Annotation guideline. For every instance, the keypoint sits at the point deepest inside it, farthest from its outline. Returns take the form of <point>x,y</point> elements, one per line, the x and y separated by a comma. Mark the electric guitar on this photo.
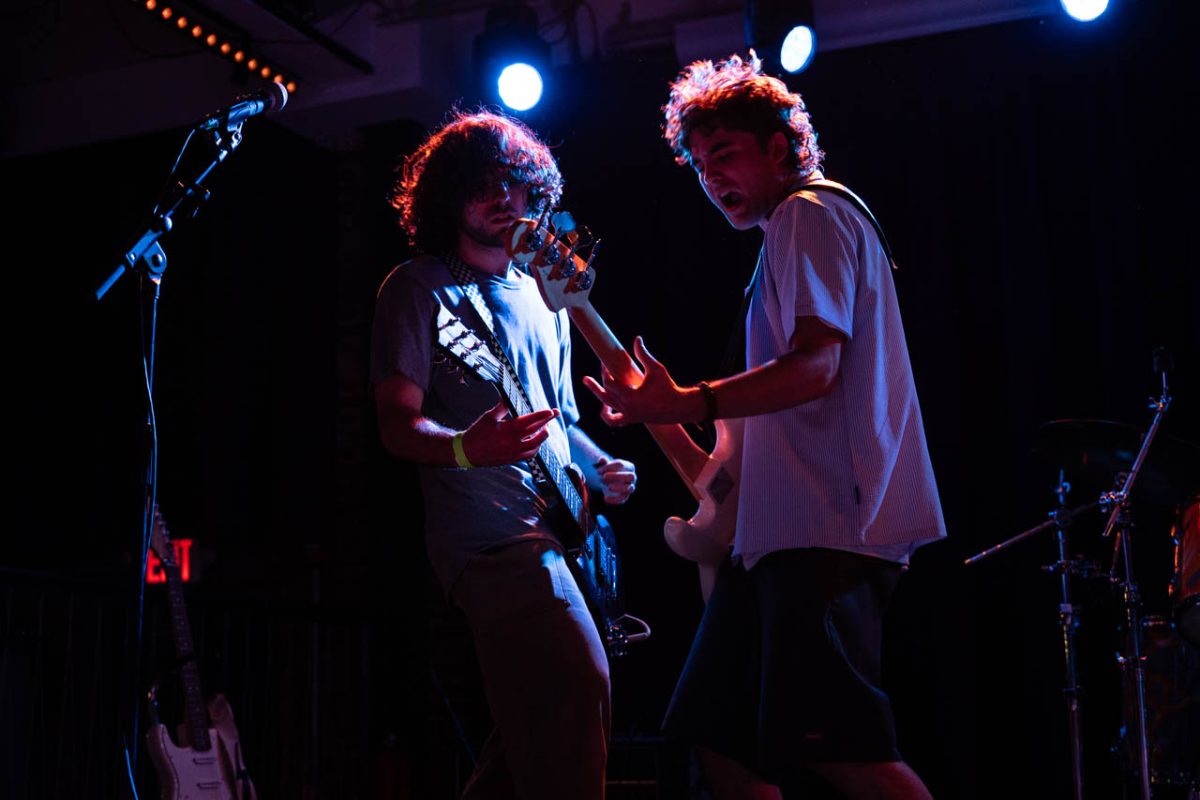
<point>588,540</point>
<point>565,281</point>
<point>207,762</point>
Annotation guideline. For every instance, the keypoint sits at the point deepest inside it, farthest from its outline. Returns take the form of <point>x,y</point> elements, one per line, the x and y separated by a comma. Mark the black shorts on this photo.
<point>784,669</point>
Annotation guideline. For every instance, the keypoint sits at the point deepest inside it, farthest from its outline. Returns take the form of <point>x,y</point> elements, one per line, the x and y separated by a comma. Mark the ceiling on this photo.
<point>86,71</point>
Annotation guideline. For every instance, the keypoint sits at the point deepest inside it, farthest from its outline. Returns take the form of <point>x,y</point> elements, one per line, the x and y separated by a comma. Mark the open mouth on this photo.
<point>729,200</point>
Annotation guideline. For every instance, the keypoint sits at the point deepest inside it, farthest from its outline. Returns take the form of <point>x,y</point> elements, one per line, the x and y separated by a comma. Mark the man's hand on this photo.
<point>619,478</point>
<point>657,399</point>
<point>496,439</point>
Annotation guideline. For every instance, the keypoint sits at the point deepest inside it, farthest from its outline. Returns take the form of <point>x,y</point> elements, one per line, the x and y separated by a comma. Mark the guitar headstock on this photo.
<point>563,278</point>
<point>461,342</point>
<point>160,539</point>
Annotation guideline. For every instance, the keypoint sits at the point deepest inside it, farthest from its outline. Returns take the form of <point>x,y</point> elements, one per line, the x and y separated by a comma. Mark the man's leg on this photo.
<point>729,780</point>
<point>883,780</point>
<point>544,670</point>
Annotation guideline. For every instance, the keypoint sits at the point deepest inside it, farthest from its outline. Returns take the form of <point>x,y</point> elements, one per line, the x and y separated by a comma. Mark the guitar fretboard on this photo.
<point>555,471</point>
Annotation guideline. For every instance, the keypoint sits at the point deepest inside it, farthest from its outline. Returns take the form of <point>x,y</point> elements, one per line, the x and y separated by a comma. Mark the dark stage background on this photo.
<point>1036,180</point>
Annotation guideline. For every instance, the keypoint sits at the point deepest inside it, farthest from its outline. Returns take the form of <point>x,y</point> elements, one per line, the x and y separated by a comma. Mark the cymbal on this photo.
<point>1097,450</point>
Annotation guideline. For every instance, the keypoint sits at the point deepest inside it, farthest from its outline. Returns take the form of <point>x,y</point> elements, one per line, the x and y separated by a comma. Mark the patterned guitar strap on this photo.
<point>465,275</point>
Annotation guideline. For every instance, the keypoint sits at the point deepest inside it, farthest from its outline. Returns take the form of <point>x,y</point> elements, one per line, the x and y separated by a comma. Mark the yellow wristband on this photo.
<point>460,454</point>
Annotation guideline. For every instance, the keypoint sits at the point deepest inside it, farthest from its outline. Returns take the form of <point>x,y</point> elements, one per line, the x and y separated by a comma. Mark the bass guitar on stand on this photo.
<point>207,762</point>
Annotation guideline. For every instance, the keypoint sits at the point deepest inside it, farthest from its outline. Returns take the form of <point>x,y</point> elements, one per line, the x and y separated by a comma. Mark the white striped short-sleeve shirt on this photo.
<point>850,470</point>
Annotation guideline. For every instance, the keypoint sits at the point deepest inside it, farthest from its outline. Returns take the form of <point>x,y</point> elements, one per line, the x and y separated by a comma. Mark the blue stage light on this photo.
<point>512,61</point>
<point>798,48</point>
<point>782,33</point>
<point>1084,10</point>
<point>520,86</point>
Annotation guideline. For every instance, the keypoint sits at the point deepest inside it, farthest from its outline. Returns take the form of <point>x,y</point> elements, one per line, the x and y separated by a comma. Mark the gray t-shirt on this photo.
<point>470,510</point>
<point>850,470</point>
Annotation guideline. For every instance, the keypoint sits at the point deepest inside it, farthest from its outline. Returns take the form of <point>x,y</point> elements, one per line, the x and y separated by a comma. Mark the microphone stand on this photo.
<point>1119,521</point>
<point>146,258</point>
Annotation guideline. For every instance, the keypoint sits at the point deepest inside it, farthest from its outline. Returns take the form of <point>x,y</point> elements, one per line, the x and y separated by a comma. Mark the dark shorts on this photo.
<point>784,669</point>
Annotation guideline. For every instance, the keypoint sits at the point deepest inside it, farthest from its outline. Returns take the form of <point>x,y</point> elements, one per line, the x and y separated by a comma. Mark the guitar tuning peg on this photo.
<point>592,253</point>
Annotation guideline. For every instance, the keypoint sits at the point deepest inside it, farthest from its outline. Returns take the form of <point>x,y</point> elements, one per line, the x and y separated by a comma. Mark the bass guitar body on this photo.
<point>706,537</point>
<point>183,773</point>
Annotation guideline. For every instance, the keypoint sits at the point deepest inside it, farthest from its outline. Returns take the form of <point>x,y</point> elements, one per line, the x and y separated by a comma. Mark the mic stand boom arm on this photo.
<point>146,256</point>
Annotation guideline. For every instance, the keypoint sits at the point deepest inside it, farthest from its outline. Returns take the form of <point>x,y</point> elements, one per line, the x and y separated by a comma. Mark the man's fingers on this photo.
<point>527,424</point>
<point>601,394</point>
<point>610,416</point>
<point>531,446</point>
<point>643,355</point>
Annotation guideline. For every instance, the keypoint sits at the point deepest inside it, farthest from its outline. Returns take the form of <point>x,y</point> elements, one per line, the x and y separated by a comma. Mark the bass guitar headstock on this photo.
<point>564,278</point>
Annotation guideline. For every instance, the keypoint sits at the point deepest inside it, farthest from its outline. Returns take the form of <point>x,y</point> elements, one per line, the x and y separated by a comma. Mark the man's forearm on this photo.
<point>419,439</point>
<point>586,453</point>
<point>790,380</point>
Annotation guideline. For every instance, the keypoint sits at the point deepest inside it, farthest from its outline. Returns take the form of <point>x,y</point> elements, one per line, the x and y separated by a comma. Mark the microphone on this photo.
<point>272,98</point>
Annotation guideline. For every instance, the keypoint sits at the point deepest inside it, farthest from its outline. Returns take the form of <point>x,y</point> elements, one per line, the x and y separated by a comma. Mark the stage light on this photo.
<point>512,61</point>
<point>781,33</point>
<point>201,30</point>
<point>1084,10</point>
<point>798,48</point>
<point>520,86</point>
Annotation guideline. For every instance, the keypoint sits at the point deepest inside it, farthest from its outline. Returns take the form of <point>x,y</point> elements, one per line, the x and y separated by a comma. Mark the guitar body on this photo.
<point>596,566</point>
<point>707,536</point>
<point>184,773</point>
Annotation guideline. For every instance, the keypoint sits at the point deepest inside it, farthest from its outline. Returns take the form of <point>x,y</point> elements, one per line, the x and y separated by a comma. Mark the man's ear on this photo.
<point>778,147</point>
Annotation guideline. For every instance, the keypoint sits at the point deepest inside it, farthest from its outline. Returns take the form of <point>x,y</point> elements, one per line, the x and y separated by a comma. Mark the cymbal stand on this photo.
<point>1068,620</point>
<point>1117,504</point>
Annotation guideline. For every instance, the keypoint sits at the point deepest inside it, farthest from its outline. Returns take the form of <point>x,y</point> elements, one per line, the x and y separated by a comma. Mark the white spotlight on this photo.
<point>1084,10</point>
<point>520,86</point>
<point>798,48</point>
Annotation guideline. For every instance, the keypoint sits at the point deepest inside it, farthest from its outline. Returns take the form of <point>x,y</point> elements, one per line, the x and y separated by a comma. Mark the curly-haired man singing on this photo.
<point>487,516</point>
<point>836,488</point>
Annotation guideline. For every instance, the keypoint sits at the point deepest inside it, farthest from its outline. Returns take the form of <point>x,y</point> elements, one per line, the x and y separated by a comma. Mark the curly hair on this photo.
<point>470,153</point>
<point>736,95</point>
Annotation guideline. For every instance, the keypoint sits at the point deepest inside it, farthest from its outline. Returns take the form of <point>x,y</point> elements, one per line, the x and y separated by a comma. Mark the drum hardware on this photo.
<point>1184,590</point>
<point>1119,527</point>
<point>1100,450</point>
<point>1065,568</point>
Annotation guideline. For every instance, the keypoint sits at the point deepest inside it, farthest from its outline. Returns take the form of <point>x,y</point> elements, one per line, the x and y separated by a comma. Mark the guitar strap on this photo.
<point>735,350</point>
<point>465,276</point>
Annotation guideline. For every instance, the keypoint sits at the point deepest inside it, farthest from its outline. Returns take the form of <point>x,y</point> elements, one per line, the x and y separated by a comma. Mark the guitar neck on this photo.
<point>553,467</point>
<point>195,713</point>
<point>685,457</point>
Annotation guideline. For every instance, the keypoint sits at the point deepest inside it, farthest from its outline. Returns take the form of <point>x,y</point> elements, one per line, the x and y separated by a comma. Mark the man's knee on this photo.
<point>874,780</point>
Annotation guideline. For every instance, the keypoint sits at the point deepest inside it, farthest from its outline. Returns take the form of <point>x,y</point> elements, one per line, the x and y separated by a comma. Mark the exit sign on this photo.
<point>183,557</point>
